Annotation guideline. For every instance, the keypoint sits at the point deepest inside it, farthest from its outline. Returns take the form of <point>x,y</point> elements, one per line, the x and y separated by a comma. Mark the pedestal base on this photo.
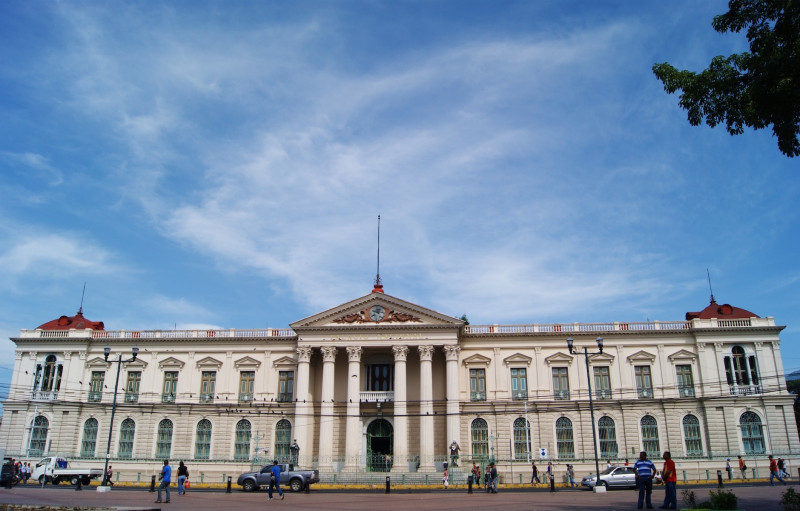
<point>599,489</point>
<point>103,489</point>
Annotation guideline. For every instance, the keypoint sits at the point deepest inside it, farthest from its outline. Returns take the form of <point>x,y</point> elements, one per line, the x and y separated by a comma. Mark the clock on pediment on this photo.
<point>377,313</point>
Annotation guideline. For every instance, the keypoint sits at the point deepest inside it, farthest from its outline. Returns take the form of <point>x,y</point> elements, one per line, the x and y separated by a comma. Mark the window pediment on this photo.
<point>559,359</point>
<point>136,365</point>
<point>601,358</point>
<point>518,359</point>
<point>97,363</point>
<point>477,360</point>
<point>682,356</point>
<point>247,363</point>
<point>641,356</point>
<point>285,363</point>
<point>171,363</point>
<point>209,363</point>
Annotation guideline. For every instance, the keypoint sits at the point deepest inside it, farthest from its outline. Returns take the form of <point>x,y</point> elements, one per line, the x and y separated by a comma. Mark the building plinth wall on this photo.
<point>379,385</point>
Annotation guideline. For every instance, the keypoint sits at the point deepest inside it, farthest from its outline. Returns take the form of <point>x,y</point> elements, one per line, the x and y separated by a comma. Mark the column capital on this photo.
<point>451,352</point>
<point>425,352</point>
<point>400,353</point>
<point>354,353</point>
<point>304,354</point>
<point>328,353</point>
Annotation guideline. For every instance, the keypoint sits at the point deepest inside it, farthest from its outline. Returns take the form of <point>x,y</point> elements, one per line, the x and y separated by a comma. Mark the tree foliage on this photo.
<point>757,89</point>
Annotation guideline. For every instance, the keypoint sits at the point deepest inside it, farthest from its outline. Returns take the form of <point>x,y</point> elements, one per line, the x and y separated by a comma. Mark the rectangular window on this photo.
<point>96,386</point>
<point>685,380</point>
<point>519,384</point>
<point>132,387</point>
<point>644,383</point>
<point>560,383</point>
<point>380,377</point>
<point>208,382</point>
<point>285,386</point>
<point>247,381</point>
<point>602,382</point>
<point>170,387</point>
<point>477,385</point>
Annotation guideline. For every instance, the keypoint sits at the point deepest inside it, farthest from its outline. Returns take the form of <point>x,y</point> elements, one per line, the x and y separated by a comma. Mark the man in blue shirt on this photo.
<point>275,480</point>
<point>166,477</point>
<point>645,471</point>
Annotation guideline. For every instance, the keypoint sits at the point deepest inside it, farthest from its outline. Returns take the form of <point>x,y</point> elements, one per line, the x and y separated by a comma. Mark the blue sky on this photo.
<point>222,164</point>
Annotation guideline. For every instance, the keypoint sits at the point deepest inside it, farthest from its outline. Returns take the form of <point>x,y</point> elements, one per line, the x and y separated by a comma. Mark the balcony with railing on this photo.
<point>44,395</point>
<point>745,390</point>
<point>373,396</point>
<point>519,395</point>
<point>284,397</point>
<point>131,397</point>
<point>245,398</point>
<point>477,396</point>
<point>561,394</point>
<point>168,398</point>
<point>95,397</point>
<point>206,398</point>
<point>686,391</point>
<point>602,394</point>
<point>645,393</point>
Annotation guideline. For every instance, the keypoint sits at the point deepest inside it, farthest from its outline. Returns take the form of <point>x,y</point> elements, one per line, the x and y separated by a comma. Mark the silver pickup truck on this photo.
<point>296,480</point>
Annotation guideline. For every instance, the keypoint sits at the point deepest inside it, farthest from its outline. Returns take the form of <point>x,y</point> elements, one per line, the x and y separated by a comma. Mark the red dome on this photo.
<point>724,311</point>
<point>77,322</point>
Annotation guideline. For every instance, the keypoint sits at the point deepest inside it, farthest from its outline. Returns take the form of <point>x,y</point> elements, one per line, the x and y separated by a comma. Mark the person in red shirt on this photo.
<point>670,482</point>
<point>773,472</point>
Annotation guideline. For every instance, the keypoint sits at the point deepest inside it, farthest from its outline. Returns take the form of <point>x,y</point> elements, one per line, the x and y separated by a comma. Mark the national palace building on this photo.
<point>379,384</point>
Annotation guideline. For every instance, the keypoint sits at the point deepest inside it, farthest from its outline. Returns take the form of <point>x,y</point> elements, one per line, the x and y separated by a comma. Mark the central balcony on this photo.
<point>373,396</point>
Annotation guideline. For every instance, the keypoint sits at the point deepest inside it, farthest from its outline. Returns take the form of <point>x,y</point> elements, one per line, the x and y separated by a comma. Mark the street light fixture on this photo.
<point>586,354</point>
<point>119,361</point>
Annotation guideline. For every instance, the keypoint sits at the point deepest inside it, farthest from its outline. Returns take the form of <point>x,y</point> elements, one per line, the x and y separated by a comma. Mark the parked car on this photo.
<point>296,480</point>
<point>614,477</point>
<point>8,478</point>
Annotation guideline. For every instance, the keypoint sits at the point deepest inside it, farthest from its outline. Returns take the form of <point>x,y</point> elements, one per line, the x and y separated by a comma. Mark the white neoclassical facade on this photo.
<point>379,384</point>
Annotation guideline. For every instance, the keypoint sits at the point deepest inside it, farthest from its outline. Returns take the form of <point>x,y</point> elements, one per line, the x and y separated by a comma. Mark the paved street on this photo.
<point>751,498</point>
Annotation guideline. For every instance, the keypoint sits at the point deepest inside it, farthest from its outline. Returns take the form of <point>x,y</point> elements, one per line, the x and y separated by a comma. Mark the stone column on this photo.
<point>453,417</point>
<point>426,434</point>
<point>353,442</point>
<point>303,411</point>
<point>326,408</point>
<point>400,410</point>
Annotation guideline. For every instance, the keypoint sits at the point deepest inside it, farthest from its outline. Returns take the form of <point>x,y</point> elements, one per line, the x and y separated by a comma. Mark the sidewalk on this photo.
<point>751,498</point>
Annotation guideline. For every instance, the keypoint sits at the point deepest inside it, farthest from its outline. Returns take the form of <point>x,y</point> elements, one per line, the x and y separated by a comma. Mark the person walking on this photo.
<point>728,469</point>
<point>166,478</point>
<point>645,471</point>
<point>549,472</point>
<point>487,477</point>
<point>670,479</point>
<point>782,468</point>
<point>773,472</point>
<point>275,480</point>
<point>183,476</point>
<point>109,473</point>
<point>454,450</point>
<point>742,467</point>
<point>493,474</point>
<point>571,476</point>
<point>446,479</point>
<point>535,473</point>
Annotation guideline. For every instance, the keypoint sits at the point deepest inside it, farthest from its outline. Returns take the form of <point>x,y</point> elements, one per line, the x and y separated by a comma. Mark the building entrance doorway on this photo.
<point>380,439</point>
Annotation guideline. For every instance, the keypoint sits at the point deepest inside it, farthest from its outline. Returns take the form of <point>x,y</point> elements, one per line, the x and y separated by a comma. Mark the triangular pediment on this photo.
<point>601,358</point>
<point>518,359</point>
<point>477,360</point>
<point>682,355</point>
<point>170,362</point>
<point>376,310</point>
<point>559,358</point>
<point>136,365</point>
<point>286,362</point>
<point>209,363</point>
<point>247,362</point>
<point>97,362</point>
<point>641,356</point>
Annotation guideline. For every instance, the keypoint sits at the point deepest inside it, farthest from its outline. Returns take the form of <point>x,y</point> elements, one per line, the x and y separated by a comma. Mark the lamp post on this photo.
<point>119,361</point>
<point>586,354</point>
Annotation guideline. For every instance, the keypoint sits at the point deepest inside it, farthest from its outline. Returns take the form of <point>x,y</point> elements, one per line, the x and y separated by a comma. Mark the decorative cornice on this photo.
<point>400,353</point>
<point>425,353</point>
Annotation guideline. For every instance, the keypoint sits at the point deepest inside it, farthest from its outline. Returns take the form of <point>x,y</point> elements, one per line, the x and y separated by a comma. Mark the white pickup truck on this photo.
<point>55,470</point>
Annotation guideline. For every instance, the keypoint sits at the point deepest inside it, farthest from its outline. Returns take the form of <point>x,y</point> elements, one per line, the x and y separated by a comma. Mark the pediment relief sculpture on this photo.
<point>378,314</point>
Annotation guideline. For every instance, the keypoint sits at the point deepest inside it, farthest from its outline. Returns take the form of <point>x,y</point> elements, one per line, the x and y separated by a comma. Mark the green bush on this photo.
<point>790,500</point>
<point>688,498</point>
<point>722,499</point>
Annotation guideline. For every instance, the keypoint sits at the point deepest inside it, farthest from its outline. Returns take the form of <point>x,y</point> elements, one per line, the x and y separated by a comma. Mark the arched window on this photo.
<point>89,438</point>
<point>164,440</point>
<point>565,445</point>
<point>202,446</point>
<point>650,435</point>
<point>522,439</point>
<point>480,439</point>
<point>241,450</point>
<point>283,439</point>
<point>741,372</point>
<point>126,432</point>
<point>752,433</point>
<point>608,437</point>
<point>692,437</point>
<point>39,435</point>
